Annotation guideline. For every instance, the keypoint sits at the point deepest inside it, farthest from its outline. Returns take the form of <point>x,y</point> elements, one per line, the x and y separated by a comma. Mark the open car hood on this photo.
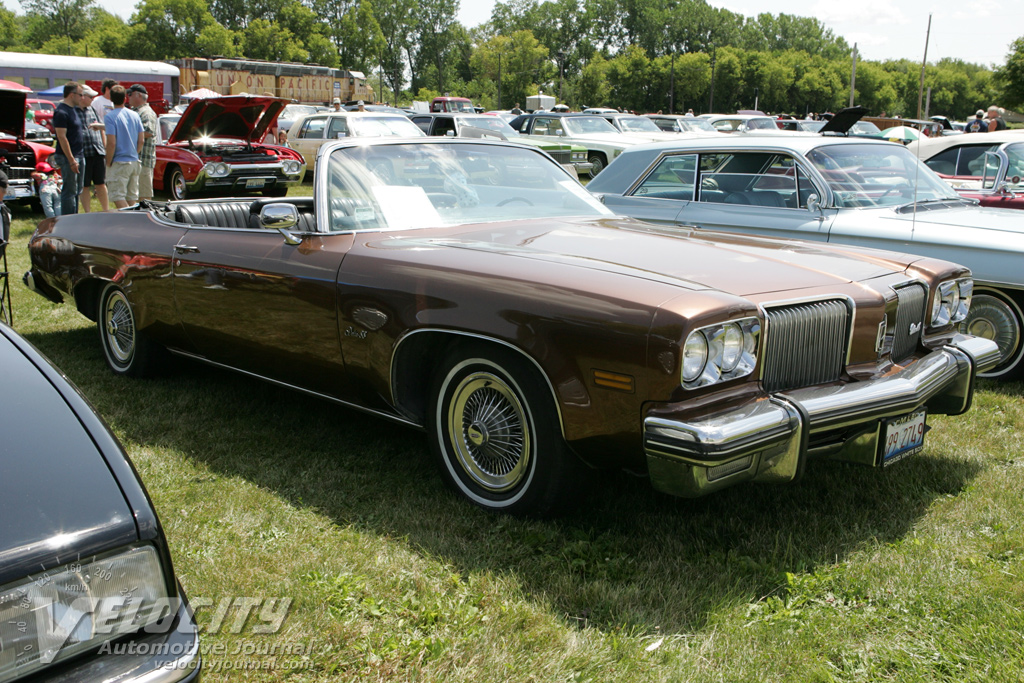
<point>843,120</point>
<point>238,117</point>
<point>12,112</point>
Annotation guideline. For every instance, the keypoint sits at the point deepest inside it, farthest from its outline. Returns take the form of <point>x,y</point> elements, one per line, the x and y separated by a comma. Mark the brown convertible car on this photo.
<point>475,290</point>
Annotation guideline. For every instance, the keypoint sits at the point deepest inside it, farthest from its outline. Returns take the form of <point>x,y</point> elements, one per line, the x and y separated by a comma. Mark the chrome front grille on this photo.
<point>805,344</point>
<point>561,156</point>
<point>909,320</point>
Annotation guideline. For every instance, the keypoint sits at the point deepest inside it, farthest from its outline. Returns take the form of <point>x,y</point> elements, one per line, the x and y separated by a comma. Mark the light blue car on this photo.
<point>851,191</point>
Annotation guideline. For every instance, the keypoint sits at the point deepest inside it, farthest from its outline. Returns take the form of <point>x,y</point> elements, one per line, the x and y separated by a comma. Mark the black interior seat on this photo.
<point>216,214</point>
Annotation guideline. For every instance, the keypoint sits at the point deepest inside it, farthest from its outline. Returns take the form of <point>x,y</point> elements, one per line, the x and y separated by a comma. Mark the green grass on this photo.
<point>908,574</point>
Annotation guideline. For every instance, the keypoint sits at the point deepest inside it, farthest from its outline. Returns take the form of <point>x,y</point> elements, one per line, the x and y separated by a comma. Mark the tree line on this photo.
<point>642,55</point>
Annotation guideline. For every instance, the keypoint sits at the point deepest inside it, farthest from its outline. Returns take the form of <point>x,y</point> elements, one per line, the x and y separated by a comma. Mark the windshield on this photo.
<point>865,128</point>
<point>294,111</point>
<point>492,123</point>
<point>865,175</point>
<point>405,186</point>
<point>376,126</point>
<point>638,124</point>
<point>167,125</point>
<point>583,125</point>
<point>761,123</point>
<point>695,124</point>
<point>457,105</point>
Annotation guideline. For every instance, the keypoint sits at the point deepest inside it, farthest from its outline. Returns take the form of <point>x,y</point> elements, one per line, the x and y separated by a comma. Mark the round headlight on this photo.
<point>732,347</point>
<point>695,356</point>
<point>223,169</point>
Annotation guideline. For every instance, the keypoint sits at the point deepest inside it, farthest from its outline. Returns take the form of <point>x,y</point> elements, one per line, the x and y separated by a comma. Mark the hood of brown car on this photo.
<point>736,264</point>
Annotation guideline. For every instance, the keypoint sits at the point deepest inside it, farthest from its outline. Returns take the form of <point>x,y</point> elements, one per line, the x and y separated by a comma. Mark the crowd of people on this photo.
<point>105,149</point>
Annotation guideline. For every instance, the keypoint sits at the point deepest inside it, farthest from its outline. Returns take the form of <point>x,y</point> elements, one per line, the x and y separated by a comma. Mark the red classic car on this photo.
<point>214,147</point>
<point>19,156</point>
<point>983,166</point>
<point>476,291</point>
<point>43,111</point>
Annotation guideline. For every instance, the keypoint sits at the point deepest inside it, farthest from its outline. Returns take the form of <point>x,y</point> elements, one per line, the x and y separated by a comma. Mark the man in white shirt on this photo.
<point>102,104</point>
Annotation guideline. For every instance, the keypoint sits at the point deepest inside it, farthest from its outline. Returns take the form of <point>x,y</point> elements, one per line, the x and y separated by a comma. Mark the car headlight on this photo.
<point>578,156</point>
<point>291,167</point>
<point>951,301</point>
<point>69,609</point>
<point>721,352</point>
<point>217,169</point>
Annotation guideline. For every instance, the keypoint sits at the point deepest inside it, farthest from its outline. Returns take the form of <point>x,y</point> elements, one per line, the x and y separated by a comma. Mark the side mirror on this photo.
<point>449,134</point>
<point>1005,191</point>
<point>813,203</point>
<point>283,218</point>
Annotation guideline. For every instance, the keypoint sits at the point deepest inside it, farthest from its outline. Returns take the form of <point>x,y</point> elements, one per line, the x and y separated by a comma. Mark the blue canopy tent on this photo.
<point>53,93</point>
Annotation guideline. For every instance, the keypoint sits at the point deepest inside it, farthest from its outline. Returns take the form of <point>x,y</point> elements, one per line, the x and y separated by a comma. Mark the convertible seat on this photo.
<point>759,198</point>
<point>215,214</point>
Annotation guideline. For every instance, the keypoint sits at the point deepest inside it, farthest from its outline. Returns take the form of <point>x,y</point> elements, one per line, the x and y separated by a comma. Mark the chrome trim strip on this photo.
<point>332,399</point>
<point>547,380</point>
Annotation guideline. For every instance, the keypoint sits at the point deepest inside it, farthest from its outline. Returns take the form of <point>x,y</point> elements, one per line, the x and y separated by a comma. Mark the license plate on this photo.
<point>254,182</point>
<point>904,436</point>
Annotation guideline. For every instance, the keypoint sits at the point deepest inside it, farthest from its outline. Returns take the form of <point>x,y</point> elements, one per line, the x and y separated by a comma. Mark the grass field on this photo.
<point>910,574</point>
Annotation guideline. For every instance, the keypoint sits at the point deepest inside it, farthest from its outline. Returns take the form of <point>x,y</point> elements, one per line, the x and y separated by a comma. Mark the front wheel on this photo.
<point>597,163</point>
<point>494,430</point>
<point>125,351</point>
<point>177,185</point>
<point>997,317</point>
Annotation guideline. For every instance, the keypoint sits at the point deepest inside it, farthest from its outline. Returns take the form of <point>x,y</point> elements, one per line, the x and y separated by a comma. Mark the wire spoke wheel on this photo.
<point>490,435</point>
<point>119,327</point>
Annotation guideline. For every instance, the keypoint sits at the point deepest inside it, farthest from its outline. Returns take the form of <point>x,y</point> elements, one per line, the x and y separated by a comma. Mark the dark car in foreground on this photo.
<point>476,291</point>
<point>83,559</point>
<point>870,193</point>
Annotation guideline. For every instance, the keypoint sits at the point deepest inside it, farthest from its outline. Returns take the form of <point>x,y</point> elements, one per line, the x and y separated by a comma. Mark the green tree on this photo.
<point>270,41</point>
<point>523,64</point>
<point>9,34</point>
<point>167,29</point>
<point>65,20</point>
<point>352,27</point>
<point>396,20</point>
<point>592,88</point>
<point>1010,76</point>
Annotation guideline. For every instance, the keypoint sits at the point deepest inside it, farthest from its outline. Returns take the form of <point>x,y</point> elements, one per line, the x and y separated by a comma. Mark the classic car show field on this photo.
<point>908,573</point>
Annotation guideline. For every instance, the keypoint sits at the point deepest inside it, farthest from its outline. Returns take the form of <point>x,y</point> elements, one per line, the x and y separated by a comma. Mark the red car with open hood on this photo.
<point>214,147</point>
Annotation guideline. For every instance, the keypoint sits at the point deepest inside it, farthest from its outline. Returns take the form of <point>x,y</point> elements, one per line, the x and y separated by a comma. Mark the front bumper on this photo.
<point>247,178</point>
<point>582,167</point>
<point>171,657</point>
<point>769,440</point>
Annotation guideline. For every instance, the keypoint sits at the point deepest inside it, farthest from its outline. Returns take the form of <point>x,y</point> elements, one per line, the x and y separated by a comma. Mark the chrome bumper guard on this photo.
<point>769,440</point>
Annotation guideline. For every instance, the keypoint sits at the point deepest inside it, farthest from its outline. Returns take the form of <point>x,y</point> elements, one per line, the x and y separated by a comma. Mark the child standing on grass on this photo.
<point>48,181</point>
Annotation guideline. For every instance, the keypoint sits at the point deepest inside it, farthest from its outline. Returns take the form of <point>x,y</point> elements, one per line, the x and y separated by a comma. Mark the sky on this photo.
<point>977,31</point>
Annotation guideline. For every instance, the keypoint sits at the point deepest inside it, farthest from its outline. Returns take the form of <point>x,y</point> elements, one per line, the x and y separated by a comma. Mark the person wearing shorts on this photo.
<point>125,137</point>
<point>95,150</point>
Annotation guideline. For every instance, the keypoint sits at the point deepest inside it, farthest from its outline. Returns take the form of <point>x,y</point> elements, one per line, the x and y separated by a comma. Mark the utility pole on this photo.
<point>853,74</point>
<point>672,84</point>
<point>711,95</point>
<point>920,90</point>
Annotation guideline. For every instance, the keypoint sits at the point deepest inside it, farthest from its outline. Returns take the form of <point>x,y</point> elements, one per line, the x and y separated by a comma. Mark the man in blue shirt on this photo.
<point>70,154</point>
<point>125,136</point>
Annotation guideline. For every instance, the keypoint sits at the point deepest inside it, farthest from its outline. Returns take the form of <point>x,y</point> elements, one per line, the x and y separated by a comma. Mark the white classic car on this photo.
<point>851,191</point>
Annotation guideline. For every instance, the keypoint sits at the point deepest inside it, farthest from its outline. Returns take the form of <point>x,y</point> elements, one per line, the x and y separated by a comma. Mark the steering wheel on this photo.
<point>903,187</point>
<point>524,200</point>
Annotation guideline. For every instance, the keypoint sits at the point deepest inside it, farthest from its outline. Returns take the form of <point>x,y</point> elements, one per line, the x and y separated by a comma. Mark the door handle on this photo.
<point>184,248</point>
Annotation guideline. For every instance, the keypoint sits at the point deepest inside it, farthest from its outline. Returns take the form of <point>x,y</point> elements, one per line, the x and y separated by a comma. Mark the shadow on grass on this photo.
<point>628,557</point>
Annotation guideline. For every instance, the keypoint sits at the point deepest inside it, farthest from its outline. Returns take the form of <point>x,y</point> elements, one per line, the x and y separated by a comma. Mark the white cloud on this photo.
<point>867,12</point>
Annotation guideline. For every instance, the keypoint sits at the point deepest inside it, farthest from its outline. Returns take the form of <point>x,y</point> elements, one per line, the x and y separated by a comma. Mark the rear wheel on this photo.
<point>995,316</point>
<point>127,352</point>
<point>495,432</point>
<point>177,186</point>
